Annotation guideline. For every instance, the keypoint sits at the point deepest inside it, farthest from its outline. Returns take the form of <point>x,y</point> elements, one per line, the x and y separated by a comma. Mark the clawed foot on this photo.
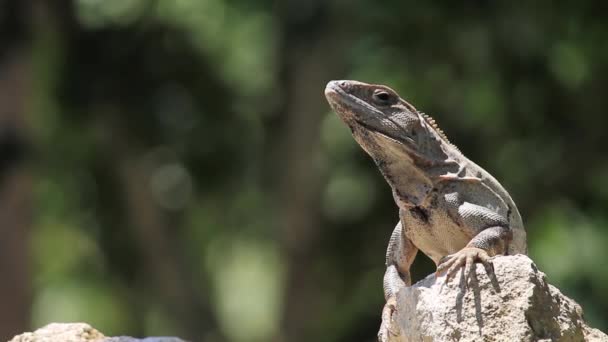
<point>465,257</point>
<point>386,328</point>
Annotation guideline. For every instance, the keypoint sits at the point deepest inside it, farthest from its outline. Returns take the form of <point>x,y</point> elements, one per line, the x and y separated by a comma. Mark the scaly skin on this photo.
<point>450,209</point>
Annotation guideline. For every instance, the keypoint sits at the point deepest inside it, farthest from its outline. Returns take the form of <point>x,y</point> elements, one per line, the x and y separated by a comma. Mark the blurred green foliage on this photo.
<point>189,178</point>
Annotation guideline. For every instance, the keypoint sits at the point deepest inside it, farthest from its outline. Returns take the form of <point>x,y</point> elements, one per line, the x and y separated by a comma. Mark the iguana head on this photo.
<point>385,125</point>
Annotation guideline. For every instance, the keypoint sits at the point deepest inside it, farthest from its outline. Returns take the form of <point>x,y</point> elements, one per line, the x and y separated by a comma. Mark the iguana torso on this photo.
<point>449,207</point>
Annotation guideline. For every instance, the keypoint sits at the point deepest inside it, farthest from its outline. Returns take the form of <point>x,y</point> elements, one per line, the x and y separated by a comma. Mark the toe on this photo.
<point>456,264</point>
<point>486,261</point>
<point>445,264</point>
<point>445,258</point>
<point>483,256</point>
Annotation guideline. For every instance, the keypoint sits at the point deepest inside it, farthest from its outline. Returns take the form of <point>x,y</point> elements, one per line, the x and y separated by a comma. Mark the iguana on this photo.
<point>450,208</point>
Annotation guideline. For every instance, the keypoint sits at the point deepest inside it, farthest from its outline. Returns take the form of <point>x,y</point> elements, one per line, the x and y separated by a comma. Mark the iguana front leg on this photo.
<point>399,257</point>
<point>489,242</point>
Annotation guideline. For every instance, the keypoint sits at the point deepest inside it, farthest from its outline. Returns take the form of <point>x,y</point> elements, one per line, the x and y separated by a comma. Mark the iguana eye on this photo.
<point>381,97</point>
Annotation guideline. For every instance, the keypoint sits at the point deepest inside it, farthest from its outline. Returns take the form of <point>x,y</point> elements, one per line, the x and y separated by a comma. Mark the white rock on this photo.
<point>79,332</point>
<point>518,305</point>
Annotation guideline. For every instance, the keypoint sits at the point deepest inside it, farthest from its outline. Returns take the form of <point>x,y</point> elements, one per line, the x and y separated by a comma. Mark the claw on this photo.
<point>386,328</point>
<point>444,264</point>
<point>465,257</point>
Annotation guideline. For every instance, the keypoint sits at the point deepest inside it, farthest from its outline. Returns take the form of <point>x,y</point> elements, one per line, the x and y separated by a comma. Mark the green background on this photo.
<point>180,173</point>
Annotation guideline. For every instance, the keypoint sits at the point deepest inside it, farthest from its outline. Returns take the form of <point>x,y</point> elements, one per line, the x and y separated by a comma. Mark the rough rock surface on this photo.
<point>517,305</point>
<point>79,332</point>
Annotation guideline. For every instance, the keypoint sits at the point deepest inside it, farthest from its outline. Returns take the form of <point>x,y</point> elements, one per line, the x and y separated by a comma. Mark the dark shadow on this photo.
<point>460,296</point>
<point>492,277</point>
<point>473,283</point>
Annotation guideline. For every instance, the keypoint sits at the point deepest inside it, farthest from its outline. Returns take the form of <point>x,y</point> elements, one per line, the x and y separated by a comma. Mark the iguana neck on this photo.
<point>409,148</point>
<point>412,175</point>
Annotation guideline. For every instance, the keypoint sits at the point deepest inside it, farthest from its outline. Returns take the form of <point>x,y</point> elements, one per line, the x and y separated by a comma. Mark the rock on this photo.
<point>79,332</point>
<point>516,305</point>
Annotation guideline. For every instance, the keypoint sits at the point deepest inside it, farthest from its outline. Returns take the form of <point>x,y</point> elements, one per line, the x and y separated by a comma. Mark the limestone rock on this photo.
<point>517,305</point>
<point>79,332</point>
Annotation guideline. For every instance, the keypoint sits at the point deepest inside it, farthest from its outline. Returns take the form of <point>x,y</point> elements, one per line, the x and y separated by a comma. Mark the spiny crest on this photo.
<point>433,124</point>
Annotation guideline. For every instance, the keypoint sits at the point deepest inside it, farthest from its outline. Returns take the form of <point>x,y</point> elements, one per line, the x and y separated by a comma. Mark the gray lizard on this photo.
<point>449,207</point>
